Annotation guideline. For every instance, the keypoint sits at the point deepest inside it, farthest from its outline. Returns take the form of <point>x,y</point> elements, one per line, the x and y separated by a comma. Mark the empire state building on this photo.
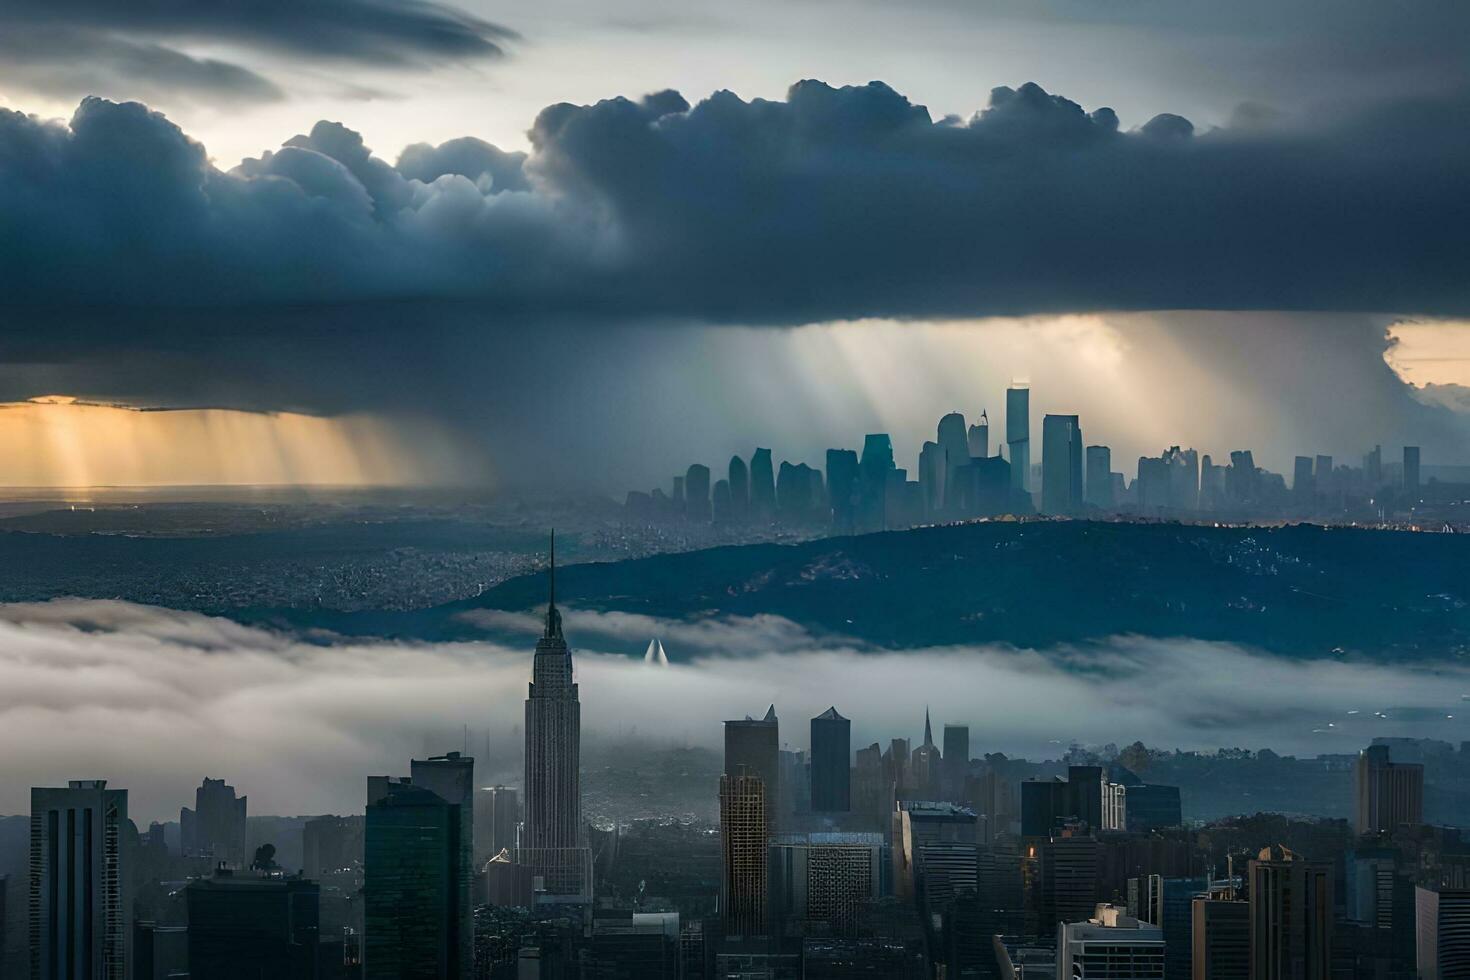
<point>551,841</point>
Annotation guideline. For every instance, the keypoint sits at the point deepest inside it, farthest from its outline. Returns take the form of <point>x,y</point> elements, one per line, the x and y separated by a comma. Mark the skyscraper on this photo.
<point>932,477</point>
<point>1373,469</point>
<point>824,880</point>
<point>924,765</point>
<point>1221,933</point>
<point>411,883</point>
<point>831,763</point>
<point>696,493</point>
<point>1291,917</point>
<point>956,763</point>
<point>1323,473</point>
<point>1303,485</point>
<point>243,925</point>
<point>215,828</point>
<point>762,485</point>
<point>330,844</point>
<point>739,477</point>
<point>497,813</point>
<point>1442,932</point>
<point>842,487</point>
<point>755,746</point>
<point>1183,471</point>
<point>452,777</point>
<point>722,507</point>
<point>1099,484</point>
<point>1411,469</point>
<point>1018,434</point>
<point>1061,464</point>
<point>79,903</point>
<point>873,469</point>
<point>1070,862</point>
<point>979,437</point>
<point>1387,793</point>
<point>954,444</point>
<point>744,832</point>
<point>551,842</point>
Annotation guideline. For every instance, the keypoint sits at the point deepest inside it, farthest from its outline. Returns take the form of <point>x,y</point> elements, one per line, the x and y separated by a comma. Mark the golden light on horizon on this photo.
<point>1430,352</point>
<point>60,441</point>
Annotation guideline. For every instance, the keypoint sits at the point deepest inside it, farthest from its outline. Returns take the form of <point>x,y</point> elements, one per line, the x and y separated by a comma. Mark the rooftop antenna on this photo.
<point>553,618</point>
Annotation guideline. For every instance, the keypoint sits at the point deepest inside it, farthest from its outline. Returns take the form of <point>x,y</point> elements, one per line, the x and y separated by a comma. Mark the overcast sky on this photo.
<point>713,225</point>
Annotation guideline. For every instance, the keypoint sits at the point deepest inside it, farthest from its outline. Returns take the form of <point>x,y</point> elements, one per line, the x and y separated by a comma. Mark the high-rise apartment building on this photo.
<point>80,908</point>
<point>744,832</point>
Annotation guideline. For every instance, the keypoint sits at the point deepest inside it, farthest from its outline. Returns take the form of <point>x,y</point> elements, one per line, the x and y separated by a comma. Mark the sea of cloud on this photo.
<point>155,699</point>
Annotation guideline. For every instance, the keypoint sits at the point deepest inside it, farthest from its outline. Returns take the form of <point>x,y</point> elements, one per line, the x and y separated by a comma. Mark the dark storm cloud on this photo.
<point>467,157</point>
<point>835,203</point>
<point>376,31</point>
<point>68,63</point>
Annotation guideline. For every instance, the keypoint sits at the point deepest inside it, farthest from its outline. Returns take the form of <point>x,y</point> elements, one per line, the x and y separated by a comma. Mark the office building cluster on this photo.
<point>962,475</point>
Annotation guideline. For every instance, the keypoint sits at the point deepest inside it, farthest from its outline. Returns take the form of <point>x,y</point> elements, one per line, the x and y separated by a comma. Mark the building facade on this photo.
<point>1290,917</point>
<point>744,833</point>
<point>1388,794</point>
<point>411,883</point>
<point>80,909</point>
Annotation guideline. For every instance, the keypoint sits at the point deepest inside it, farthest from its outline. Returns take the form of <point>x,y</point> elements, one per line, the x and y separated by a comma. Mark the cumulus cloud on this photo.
<point>154,700</point>
<point>833,203</point>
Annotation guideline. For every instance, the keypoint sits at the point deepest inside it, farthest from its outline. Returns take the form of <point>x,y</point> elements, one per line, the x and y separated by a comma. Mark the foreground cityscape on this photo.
<point>897,860</point>
<point>963,474</point>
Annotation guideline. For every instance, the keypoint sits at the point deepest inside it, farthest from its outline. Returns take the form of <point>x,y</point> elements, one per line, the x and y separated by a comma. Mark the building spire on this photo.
<point>928,731</point>
<point>553,618</point>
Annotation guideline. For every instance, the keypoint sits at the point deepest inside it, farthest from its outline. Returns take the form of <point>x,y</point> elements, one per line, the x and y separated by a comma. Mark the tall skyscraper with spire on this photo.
<point>925,763</point>
<point>551,841</point>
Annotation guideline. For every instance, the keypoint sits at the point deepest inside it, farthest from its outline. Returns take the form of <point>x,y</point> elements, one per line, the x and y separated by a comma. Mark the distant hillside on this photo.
<point>1302,591</point>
